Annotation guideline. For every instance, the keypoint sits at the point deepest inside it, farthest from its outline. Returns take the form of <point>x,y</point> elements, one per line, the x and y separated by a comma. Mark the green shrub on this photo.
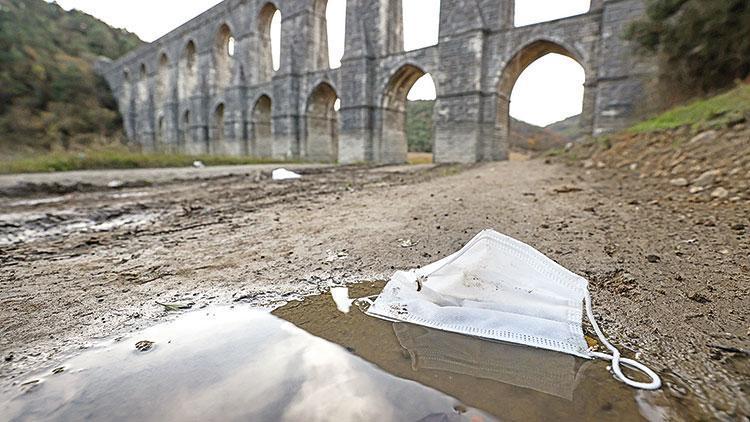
<point>704,44</point>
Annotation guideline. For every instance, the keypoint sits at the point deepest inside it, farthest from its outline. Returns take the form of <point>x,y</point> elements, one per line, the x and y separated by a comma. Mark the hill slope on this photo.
<point>524,136</point>
<point>50,97</point>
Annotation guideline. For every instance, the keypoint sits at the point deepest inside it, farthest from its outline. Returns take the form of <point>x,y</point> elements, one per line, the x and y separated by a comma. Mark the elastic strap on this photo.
<point>617,360</point>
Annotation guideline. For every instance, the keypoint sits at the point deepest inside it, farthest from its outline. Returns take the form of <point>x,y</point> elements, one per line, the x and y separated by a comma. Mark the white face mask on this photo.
<point>501,289</point>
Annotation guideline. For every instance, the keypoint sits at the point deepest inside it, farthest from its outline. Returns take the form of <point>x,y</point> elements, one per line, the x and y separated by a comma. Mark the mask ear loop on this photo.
<point>617,360</point>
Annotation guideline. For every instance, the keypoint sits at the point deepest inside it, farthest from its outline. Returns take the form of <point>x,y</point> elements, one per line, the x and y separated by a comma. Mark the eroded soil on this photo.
<point>669,275</point>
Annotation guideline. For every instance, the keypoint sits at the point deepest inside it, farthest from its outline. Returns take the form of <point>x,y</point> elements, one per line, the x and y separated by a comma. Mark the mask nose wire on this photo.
<point>617,360</point>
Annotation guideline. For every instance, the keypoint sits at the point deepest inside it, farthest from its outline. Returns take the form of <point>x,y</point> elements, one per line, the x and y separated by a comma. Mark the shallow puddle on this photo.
<point>26,227</point>
<point>319,365</point>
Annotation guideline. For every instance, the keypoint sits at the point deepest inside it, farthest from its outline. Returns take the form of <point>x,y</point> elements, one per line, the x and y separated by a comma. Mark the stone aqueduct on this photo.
<point>185,92</point>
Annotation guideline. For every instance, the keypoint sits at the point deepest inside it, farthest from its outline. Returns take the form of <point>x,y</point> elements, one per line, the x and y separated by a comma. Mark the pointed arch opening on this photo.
<point>217,129</point>
<point>528,12</point>
<point>188,71</point>
<point>408,83</point>
<point>261,128</point>
<point>184,138</point>
<point>223,54</point>
<point>162,80</point>
<point>542,84</point>
<point>421,23</point>
<point>321,123</point>
<point>336,32</point>
<point>269,32</point>
<point>160,130</point>
<point>142,90</point>
<point>329,29</point>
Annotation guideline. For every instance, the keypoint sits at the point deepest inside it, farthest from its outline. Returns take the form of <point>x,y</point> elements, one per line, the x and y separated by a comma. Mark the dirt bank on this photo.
<point>669,275</point>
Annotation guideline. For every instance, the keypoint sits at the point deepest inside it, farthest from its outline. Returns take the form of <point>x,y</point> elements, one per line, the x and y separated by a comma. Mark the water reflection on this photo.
<point>227,365</point>
<point>509,381</point>
<point>552,373</point>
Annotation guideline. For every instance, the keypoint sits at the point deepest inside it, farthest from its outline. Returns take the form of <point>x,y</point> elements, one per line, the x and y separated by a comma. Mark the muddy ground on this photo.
<point>669,275</point>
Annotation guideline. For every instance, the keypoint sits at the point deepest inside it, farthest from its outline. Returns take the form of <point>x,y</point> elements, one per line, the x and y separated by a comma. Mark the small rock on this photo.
<point>739,227</point>
<point>698,297</point>
<point>719,193</point>
<point>587,164</point>
<point>634,167</point>
<point>703,137</point>
<point>144,345</point>
<point>653,258</point>
<point>115,184</point>
<point>696,189</point>
<point>198,164</point>
<point>680,181</point>
<point>59,370</point>
<point>600,165</point>
<point>9,357</point>
<point>707,178</point>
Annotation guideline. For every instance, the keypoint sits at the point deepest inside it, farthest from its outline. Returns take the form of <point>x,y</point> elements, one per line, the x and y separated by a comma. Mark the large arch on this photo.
<point>392,146</point>
<point>321,125</point>
<point>223,57</point>
<point>188,71</point>
<point>512,71</point>
<point>265,49</point>
<point>261,128</point>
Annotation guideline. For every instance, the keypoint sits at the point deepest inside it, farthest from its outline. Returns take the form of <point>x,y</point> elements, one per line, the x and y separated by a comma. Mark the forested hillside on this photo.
<point>524,136</point>
<point>50,97</point>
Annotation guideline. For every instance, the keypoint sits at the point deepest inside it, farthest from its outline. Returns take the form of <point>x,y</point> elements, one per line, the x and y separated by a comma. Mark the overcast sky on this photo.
<point>549,90</point>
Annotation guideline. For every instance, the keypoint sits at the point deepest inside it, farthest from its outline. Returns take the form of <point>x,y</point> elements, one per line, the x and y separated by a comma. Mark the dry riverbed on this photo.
<point>669,276</point>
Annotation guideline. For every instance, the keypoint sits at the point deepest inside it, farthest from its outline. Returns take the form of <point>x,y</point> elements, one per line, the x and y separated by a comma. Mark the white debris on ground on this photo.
<point>340,296</point>
<point>198,164</point>
<point>284,174</point>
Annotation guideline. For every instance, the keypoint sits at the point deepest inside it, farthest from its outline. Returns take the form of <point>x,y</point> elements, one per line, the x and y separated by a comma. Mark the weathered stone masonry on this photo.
<point>185,92</point>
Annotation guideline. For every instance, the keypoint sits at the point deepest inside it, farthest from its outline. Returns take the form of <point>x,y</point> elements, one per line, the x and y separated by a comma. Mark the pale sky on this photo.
<point>551,89</point>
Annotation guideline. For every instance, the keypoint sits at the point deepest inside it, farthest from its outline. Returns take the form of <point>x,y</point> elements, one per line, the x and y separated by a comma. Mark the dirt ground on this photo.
<point>669,274</point>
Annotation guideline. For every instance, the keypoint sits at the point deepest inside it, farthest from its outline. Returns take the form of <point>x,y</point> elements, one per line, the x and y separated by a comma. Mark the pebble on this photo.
<point>703,137</point>
<point>707,178</point>
<point>719,193</point>
<point>681,181</point>
<point>653,258</point>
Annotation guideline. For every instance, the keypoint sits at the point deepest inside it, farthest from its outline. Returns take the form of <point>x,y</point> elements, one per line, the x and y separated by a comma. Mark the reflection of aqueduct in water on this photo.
<point>186,92</point>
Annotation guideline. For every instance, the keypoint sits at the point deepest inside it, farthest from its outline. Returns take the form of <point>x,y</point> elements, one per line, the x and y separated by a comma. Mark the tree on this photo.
<point>704,44</point>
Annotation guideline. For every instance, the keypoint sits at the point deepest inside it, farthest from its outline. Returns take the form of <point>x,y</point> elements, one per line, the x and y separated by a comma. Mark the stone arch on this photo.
<point>392,146</point>
<point>218,134</point>
<point>321,124</point>
<point>265,51</point>
<point>261,127</point>
<point>160,130</point>
<point>142,83</point>
<point>126,103</point>
<point>184,137</point>
<point>188,71</point>
<point>320,35</point>
<point>530,53</point>
<point>223,57</point>
<point>512,70</point>
<point>162,80</point>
